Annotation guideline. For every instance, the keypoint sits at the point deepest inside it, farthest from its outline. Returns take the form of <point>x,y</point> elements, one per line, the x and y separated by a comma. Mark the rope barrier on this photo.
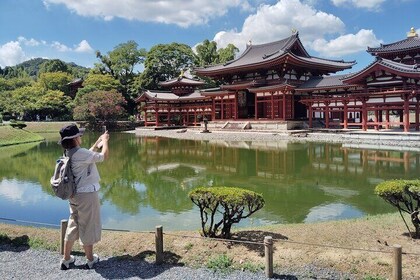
<point>216,239</point>
<point>221,239</point>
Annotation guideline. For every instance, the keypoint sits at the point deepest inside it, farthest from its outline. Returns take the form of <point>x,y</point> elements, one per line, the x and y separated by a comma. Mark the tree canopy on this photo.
<point>164,62</point>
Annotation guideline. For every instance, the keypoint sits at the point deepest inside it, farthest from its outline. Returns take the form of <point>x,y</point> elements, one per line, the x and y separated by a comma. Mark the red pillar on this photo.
<point>284,106</point>
<point>327,114</point>
<point>272,105</point>
<point>387,119</point>
<point>406,114</point>
<point>256,106</point>
<point>417,113</point>
<point>364,115</point>
<point>310,114</point>
<point>345,120</point>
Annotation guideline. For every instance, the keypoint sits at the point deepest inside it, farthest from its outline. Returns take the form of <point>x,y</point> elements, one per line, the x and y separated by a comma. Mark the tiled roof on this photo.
<point>169,96</point>
<point>400,67</point>
<point>406,44</point>
<point>182,80</point>
<point>256,54</point>
<point>324,82</point>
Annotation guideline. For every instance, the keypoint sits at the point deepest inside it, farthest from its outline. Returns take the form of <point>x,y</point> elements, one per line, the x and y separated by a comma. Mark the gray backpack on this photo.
<point>63,182</point>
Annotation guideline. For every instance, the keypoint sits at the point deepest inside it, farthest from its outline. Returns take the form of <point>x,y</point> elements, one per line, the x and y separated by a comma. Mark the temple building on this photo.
<point>183,104</point>
<point>280,82</point>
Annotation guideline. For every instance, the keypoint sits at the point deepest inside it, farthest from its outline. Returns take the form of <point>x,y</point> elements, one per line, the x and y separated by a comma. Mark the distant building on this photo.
<point>280,82</point>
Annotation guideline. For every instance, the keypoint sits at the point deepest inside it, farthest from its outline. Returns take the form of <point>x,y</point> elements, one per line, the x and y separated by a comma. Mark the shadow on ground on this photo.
<point>141,265</point>
<point>255,236</point>
<point>17,244</point>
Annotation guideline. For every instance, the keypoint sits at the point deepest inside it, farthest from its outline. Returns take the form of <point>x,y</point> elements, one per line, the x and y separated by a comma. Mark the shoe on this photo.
<point>64,265</point>
<point>89,264</point>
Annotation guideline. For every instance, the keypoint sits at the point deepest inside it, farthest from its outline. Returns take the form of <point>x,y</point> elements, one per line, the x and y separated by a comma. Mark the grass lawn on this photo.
<point>12,136</point>
<point>43,127</point>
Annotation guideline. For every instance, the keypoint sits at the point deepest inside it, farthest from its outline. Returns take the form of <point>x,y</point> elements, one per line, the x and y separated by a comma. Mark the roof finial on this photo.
<point>182,73</point>
<point>249,43</point>
<point>294,31</point>
<point>412,33</point>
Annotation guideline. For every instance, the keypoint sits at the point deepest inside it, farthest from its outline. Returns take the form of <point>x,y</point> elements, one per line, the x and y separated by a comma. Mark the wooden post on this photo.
<point>397,263</point>
<point>63,228</point>
<point>159,244</point>
<point>268,246</point>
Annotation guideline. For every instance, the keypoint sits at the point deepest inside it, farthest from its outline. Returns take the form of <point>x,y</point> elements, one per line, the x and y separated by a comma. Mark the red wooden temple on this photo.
<point>280,81</point>
<point>182,105</point>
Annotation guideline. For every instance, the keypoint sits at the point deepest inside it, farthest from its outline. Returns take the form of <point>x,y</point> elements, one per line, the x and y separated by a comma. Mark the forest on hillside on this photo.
<point>51,89</point>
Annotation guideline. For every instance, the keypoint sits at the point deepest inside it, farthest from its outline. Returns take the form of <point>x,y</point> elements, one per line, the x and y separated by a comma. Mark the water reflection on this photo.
<point>147,180</point>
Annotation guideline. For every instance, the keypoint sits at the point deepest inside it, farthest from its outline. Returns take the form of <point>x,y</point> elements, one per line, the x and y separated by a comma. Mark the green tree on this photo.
<point>55,81</point>
<point>233,205</point>
<point>405,196</point>
<point>227,54</point>
<point>120,63</point>
<point>99,106</point>
<point>101,82</point>
<point>207,53</point>
<point>53,65</point>
<point>164,62</point>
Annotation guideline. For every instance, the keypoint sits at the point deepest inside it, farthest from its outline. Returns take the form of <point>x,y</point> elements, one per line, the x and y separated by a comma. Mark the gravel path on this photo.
<point>23,263</point>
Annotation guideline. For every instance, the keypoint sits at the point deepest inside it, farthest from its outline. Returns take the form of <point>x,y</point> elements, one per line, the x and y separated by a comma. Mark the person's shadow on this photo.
<point>126,266</point>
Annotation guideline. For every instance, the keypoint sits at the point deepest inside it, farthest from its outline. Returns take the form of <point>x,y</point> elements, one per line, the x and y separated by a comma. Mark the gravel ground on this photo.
<point>24,263</point>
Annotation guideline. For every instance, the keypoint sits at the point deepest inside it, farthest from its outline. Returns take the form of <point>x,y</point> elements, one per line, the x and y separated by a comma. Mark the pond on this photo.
<point>146,180</point>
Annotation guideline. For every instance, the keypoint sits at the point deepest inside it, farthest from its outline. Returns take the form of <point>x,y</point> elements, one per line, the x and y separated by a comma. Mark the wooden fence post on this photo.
<point>63,228</point>
<point>397,263</point>
<point>268,248</point>
<point>159,244</point>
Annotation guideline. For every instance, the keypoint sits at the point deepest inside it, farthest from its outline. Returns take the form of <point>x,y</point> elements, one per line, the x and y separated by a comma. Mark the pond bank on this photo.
<point>381,140</point>
<point>12,136</point>
<point>347,249</point>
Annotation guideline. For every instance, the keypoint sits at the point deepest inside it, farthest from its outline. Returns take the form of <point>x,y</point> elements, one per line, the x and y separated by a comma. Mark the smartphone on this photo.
<point>99,145</point>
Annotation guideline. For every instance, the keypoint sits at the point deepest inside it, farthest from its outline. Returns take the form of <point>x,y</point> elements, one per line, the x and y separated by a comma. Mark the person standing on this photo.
<point>85,219</point>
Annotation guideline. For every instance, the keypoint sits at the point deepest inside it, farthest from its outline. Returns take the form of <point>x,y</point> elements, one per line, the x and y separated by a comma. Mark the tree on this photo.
<point>101,82</point>
<point>53,65</point>
<point>405,196</point>
<point>227,54</point>
<point>102,106</point>
<point>234,204</point>
<point>207,53</point>
<point>164,62</point>
<point>120,63</point>
<point>55,81</point>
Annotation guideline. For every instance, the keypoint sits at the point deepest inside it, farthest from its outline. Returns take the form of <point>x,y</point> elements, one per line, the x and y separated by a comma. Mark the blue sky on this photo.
<point>72,30</point>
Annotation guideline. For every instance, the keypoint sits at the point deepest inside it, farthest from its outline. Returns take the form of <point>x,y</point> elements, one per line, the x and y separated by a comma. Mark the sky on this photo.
<point>73,30</point>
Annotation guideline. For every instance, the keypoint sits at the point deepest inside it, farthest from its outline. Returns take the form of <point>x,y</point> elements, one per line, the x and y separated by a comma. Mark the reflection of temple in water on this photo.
<point>296,180</point>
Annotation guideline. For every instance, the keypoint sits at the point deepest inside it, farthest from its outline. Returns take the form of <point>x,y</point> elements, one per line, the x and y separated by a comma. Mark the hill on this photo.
<point>32,67</point>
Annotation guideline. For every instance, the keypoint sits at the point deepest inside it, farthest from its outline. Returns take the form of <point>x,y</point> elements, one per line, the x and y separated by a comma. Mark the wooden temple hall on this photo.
<point>280,82</point>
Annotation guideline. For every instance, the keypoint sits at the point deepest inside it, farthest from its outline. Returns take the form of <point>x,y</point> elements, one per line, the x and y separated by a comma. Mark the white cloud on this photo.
<point>29,42</point>
<point>363,4</point>
<point>275,22</point>
<point>314,27</point>
<point>60,47</point>
<point>179,12</point>
<point>83,47</point>
<point>11,54</point>
<point>346,44</point>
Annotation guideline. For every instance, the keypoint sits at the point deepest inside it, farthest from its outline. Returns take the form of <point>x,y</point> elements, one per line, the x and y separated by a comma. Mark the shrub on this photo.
<point>405,196</point>
<point>233,204</point>
<point>18,125</point>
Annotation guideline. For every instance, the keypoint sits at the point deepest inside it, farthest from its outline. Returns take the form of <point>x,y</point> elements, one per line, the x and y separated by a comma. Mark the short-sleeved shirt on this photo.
<point>85,170</point>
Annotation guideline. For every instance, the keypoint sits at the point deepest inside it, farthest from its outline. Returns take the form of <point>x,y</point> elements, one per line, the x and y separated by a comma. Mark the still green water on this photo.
<point>146,180</point>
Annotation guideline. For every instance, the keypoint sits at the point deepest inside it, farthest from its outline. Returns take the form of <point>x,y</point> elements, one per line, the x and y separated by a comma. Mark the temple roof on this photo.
<point>258,56</point>
<point>411,43</point>
<point>182,80</point>
<point>169,96</point>
<point>324,82</point>
<point>385,64</point>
